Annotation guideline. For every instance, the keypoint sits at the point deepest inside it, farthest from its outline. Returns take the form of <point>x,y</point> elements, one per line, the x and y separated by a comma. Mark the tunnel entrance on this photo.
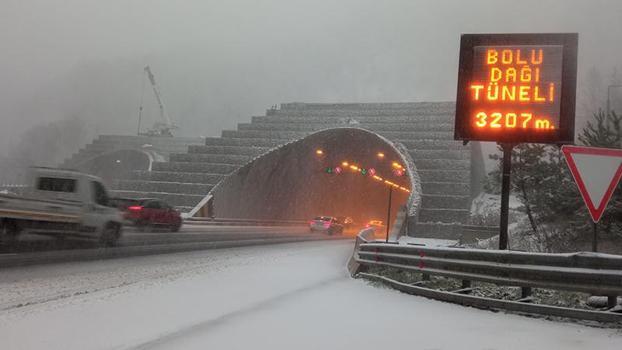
<point>116,165</point>
<point>334,172</point>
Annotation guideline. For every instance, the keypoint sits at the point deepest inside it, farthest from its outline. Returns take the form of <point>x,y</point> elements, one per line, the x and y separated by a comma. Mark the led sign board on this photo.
<point>517,88</point>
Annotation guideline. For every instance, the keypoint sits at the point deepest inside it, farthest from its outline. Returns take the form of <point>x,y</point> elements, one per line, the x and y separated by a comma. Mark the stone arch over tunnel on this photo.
<point>291,182</point>
<point>117,164</point>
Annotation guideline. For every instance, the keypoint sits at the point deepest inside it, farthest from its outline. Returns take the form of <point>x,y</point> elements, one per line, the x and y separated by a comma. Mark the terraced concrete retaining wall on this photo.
<point>449,177</point>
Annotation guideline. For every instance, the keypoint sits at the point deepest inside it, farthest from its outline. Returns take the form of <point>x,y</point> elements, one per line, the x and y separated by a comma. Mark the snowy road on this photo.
<point>288,296</point>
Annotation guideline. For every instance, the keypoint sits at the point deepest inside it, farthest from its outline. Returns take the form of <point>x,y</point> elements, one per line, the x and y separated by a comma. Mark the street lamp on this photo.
<point>609,95</point>
<point>389,212</point>
<point>396,165</point>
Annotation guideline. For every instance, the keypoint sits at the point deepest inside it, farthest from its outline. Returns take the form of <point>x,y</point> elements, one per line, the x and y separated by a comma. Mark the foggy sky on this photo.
<point>219,62</point>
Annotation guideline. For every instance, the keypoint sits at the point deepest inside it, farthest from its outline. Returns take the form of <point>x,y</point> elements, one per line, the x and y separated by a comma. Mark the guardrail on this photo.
<point>198,243</point>
<point>598,274</point>
<point>243,222</point>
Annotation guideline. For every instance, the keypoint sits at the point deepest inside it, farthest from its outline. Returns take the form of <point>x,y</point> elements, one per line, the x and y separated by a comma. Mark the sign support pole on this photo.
<point>595,237</point>
<point>505,195</point>
<point>389,213</point>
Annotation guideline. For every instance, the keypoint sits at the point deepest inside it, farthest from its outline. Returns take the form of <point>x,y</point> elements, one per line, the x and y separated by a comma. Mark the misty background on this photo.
<point>73,69</point>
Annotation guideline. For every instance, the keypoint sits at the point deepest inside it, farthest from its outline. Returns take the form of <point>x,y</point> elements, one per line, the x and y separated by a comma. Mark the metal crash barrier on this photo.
<point>593,273</point>
<point>243,222</point>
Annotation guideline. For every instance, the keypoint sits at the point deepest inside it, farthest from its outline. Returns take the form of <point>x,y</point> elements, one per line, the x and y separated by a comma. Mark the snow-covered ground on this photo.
<point>428,242</point>
<point>290,296</point>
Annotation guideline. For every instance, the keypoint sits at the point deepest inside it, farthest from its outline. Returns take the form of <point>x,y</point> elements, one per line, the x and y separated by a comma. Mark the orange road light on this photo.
<point>319,152</point>
<point>380,155</point>
<point>345,164</point>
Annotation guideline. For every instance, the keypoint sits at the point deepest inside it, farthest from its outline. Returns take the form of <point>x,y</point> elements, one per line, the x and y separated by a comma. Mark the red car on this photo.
<point>151,212</point>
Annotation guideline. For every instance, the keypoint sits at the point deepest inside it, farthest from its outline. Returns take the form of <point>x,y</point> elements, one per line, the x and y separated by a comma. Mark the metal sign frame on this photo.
<point>464,129</point>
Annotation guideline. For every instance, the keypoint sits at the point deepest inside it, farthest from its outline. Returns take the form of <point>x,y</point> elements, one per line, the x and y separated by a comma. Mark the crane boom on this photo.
<point>156,91</point>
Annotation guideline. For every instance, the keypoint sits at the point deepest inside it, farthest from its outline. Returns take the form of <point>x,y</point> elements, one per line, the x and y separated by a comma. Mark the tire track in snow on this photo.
<point>208,325</point>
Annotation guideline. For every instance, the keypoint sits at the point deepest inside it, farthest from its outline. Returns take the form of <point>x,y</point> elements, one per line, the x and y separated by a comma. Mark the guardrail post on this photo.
<point>525,294</point>
<point>612,301</point>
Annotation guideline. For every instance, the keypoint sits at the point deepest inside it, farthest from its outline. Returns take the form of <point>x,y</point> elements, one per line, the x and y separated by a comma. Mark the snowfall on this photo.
<point>287,296</point>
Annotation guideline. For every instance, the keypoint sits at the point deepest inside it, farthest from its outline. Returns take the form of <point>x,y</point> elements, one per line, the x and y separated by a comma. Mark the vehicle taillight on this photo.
<point>366,225</point>
<point>327,224</point>
<point>135,208</point>
<point>311,222</point>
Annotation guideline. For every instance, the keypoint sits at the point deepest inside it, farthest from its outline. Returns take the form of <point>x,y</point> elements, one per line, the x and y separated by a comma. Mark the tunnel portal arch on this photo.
<point>118,163</point>
<point>291,182</point>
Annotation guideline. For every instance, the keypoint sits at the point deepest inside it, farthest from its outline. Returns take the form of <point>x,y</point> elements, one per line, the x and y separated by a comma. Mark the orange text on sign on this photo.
<point>498,120</point>
<point>514,75</point>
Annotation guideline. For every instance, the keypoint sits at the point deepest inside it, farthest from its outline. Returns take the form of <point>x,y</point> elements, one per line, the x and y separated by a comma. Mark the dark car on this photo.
<point>327,224</point>
<point>150,212</point>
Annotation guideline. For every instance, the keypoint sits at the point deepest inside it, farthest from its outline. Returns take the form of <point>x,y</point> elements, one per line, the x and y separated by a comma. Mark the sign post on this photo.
<point>505,195</point>
<point>516,88</point>
<point>596,171</point>
<point>389,212</point>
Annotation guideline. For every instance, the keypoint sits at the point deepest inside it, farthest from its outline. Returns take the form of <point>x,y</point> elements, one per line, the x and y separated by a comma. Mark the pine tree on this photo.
<point>604,131</point>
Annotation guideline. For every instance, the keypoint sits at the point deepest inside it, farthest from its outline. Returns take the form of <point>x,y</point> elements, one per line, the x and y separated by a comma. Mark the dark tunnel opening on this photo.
<point>335,172</point>
<point>116,165</point>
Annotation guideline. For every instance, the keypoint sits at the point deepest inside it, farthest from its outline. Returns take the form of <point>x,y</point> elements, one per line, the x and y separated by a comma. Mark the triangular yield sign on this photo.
<point>597,172</point>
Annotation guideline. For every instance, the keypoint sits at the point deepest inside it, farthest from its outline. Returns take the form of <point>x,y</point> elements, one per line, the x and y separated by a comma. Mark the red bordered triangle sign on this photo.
<point>596,172</point>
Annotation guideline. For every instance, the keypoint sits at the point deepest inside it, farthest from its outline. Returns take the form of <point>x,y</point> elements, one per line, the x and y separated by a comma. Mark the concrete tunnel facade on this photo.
<point>118,164</point>
<point>292,182</point>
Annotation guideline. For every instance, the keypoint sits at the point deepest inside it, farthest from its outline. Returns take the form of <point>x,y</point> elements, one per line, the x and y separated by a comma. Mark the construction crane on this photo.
<point>164,127</point>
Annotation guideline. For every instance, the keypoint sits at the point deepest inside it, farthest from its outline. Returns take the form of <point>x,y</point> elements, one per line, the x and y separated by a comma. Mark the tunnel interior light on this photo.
<point>398,170</point>
<point>380,155</point>
<point>319,152</point>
